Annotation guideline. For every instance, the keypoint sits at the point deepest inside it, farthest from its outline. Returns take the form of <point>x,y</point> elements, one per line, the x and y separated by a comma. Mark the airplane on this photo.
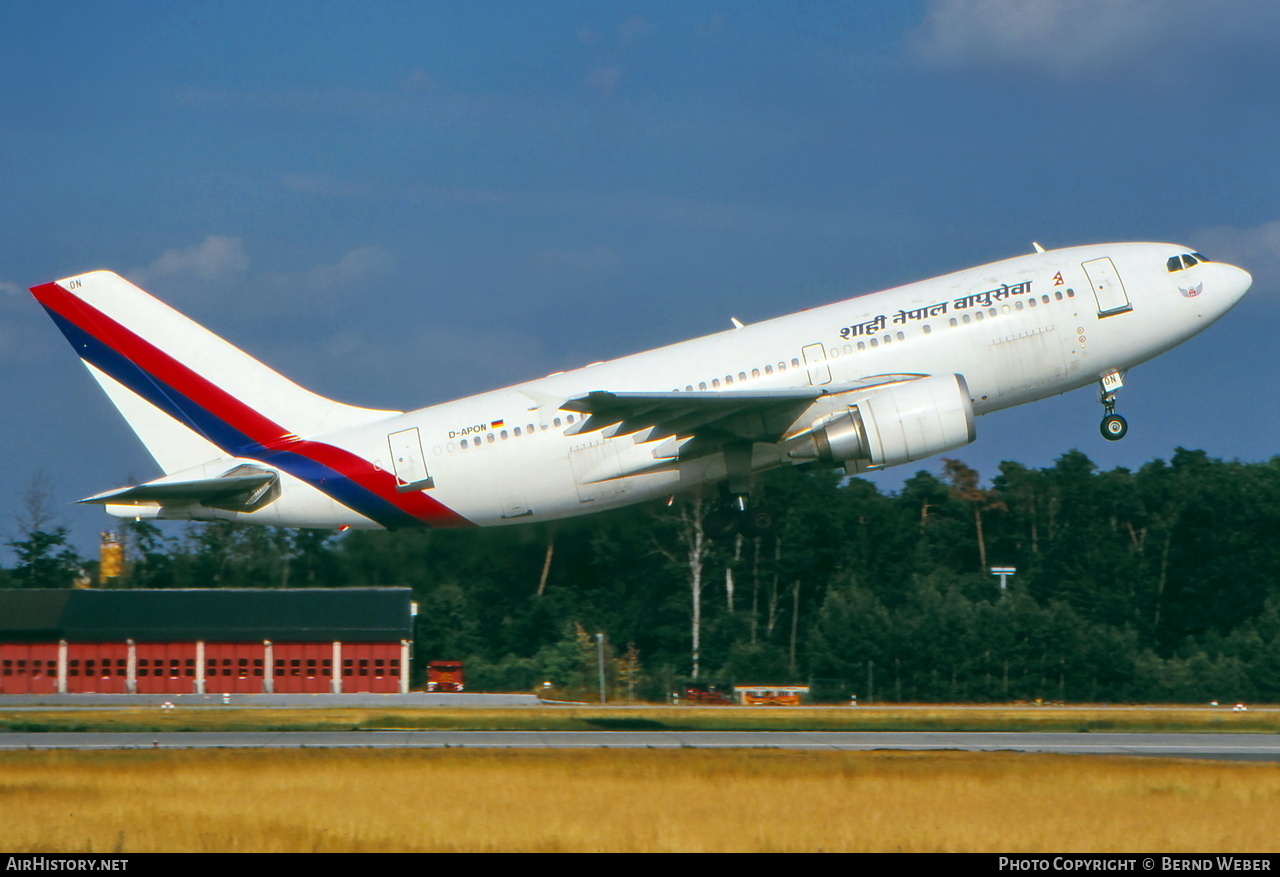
<point>872,382</point>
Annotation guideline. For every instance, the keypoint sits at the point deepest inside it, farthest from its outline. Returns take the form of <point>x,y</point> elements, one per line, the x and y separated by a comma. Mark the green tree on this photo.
<point>45,560</point>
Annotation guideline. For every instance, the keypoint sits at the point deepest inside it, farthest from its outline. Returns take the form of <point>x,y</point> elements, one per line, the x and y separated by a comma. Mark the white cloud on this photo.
<point>1083,39</point>
<point>380,191</point>
<point>605,80</point>
<point>563,263</point>
<point>1257,250</point>
<point>215,258</point>
<point>359,265</point>
<point>634,29</point>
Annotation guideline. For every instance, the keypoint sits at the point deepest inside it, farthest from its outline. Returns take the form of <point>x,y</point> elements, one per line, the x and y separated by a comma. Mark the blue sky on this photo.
<point>400,203</point>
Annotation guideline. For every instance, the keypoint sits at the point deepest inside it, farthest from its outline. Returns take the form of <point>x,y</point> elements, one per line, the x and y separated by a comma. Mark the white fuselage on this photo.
<point>1016,331</point>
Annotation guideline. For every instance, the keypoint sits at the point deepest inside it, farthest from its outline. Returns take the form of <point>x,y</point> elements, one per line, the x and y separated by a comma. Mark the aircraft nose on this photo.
<point>1236,282</point>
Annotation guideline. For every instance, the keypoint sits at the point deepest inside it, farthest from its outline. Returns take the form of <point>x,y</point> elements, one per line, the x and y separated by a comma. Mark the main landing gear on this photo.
<point>1113,426</point>
<point>736,516</point>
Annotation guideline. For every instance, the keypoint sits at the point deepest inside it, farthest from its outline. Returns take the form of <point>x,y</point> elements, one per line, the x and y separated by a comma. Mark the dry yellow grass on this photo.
<point>453,800</point>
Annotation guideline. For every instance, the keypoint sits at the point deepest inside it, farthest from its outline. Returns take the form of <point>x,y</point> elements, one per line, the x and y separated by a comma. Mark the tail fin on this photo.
<point>188,394</point>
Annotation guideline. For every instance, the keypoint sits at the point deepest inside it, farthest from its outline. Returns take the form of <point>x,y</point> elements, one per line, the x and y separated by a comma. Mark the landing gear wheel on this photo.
<point>1114,427</point>
<point>758,521</point>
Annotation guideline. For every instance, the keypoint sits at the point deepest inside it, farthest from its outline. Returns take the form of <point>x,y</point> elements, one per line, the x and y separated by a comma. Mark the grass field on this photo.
<point>642,801</point>
<point>993,718</point>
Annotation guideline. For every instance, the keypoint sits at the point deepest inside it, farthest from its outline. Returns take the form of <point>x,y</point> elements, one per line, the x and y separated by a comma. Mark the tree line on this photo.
<point>1156,585</point>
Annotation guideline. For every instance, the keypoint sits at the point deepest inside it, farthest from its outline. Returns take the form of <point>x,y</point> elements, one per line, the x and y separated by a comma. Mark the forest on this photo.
<point>1160,585</point>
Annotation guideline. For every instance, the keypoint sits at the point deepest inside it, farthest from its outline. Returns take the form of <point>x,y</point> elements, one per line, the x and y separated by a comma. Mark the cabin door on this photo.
<point>1107,288</point>
<point>408,461</point>
<point>815,359</point>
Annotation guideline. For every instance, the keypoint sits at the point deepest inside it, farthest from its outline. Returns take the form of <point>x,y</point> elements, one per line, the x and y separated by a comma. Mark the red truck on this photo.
<point>444,676</point>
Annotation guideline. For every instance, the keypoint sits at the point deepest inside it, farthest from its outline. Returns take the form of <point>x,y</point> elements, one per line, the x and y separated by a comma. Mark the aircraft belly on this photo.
<point>1029,360</point>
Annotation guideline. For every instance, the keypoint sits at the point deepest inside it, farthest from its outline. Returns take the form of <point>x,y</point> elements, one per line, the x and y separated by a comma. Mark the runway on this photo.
<point>1240,747</point>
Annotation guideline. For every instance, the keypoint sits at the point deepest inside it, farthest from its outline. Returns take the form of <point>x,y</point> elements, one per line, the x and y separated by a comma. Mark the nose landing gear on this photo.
<point>1113,426</point>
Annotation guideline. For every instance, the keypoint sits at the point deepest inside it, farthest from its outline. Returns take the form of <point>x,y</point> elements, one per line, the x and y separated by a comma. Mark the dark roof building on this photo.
<point>209,614</point>
<point>205,640</point>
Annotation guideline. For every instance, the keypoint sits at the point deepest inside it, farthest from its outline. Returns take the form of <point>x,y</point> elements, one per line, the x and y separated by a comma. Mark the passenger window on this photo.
<point>954,323</point>
<point>927,330</point>
<point>901,337</point>
<point>768,369</point>
<point>965,319</point>
<point>755,373</point>
<point>1058,296</point>
<point>715,383</point>
<point>463,444</point>
<point>702,385</point>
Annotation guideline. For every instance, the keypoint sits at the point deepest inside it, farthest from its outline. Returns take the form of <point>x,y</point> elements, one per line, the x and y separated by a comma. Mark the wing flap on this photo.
<point>701,422</point>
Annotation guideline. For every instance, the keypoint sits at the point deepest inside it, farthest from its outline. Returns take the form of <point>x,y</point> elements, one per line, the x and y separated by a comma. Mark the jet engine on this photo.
<point>901,423</point>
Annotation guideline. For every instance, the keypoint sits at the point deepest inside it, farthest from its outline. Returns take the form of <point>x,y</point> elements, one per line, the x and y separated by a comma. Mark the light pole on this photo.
<point>1003,572</point>
<point>600,652</point>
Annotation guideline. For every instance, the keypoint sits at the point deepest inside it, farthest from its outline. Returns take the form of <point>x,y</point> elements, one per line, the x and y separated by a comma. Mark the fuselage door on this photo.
<point>1107,287</point>
<point>815,358</point>
<point>409,462</point>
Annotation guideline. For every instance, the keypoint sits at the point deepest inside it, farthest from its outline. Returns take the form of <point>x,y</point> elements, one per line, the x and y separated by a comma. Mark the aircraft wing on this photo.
<point>710,418</point>
<point>244,488</point>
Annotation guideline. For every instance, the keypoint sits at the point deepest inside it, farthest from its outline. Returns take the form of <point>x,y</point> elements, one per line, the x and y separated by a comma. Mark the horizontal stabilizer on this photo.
<point>243,489</point>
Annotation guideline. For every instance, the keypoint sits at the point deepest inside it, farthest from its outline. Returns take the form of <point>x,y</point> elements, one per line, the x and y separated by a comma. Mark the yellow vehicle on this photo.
<point>770,695</point>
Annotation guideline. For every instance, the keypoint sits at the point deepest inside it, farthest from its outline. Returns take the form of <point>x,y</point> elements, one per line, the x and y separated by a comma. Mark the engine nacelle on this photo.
<point>901,423</point>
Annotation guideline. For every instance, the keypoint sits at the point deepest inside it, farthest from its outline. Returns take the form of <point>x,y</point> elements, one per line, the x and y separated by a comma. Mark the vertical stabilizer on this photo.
<point>188,394</point>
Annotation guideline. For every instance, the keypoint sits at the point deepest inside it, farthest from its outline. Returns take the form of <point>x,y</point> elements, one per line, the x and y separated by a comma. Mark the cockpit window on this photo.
<point>1186,260</point>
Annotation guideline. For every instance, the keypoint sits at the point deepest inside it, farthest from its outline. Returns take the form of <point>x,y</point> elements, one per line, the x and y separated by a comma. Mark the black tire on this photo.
<point>1114,427</point>
<point>758,521</point>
